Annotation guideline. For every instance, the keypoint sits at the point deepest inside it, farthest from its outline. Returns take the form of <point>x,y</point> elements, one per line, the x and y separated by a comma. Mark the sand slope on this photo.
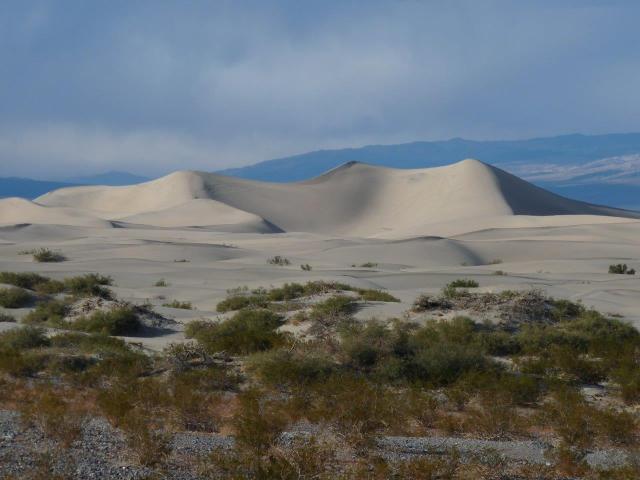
<point>354,199</point>
<point>20,211</point>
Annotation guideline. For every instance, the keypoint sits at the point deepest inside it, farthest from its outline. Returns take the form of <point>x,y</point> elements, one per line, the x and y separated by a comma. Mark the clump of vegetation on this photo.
<point>32,281</point>
<point>373,295</point>
<point>51,313</point>
<point>178,304</point>
<point>246,332</point>
<point>621,269</point>
<point>463,283</point>
<point>279,260</point>
<point>161,283</point>
<point>262,298</point>
<point>89,285</point>
<point>238,302</point>
<point>7,318</point>
<point>14,297</point>
<point>458,287</point>
<point>306,267</point>
<point>118,321</point>
<point>368,265</point>
<point>44,255</point>
<point>24,338</point>
<point>329,312</point>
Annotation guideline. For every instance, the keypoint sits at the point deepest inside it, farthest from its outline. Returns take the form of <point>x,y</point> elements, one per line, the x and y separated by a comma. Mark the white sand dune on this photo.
<point>354,199</point>
<point>202,212</point>
<point>15,211</point>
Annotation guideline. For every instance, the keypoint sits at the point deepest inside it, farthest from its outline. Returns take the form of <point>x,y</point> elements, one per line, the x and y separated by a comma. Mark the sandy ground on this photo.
<point>205,233</point>
<point>565,261</point>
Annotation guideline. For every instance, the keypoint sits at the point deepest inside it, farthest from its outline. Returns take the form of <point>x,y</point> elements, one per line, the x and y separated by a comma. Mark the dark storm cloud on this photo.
<point>154,86</point>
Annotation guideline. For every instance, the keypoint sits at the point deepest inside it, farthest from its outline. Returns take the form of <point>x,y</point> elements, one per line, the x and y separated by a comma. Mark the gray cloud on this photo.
<point>154,86</point>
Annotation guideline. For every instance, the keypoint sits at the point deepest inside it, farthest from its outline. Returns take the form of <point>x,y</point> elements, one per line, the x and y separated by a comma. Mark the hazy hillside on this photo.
<point>30,189</point>
<point>592,168</point>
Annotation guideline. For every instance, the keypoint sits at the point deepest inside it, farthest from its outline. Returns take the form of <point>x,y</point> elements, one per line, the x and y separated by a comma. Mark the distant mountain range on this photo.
<point>114,178</point>
<point>601,169</point>
<point>29,188</point>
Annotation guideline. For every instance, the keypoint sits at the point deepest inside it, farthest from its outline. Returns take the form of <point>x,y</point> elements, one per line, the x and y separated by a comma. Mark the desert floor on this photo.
<point>199,265</point>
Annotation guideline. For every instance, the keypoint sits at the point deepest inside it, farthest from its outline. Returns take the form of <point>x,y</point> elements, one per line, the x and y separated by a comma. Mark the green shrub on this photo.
<point>7,318</point>
<point>444,363</point>
<point>44,255</point>
<point>238,302</point>
<point>287,368</point>
<point>18,363</point>
<point>499,343</point>
<point>14,297</point>
<point>119,321</point>
<point>320,287</point>
<point>278,260</point>
<point>621,268</point>
<point>332,309</point>
<point>32,281</point>
<point>257,423</point>
<point>92,343</point>
<point>24,338</point>
<point>246,332</point>
<point>463,283</point>
<point>288,291</point>
<point>51,313</point>
<point>89,285</point>
<point>373,295</point>
<point>161,283</point>
<point>306,267</point>
<point>178,304</point>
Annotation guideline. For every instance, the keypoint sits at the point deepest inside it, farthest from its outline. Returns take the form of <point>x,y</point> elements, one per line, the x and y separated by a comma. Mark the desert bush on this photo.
<point>246,332</point>
<point>443,364</point>
<point>356,407</point>
<point>621,269</point>
<point>150,445</point>
<point>571,417</point>
<point>288,291</point>
<point>193,403</point>
<point>278,260</point>
<point>178,304</point>
<point>53,414</point>
<point>118,321</point>
<point>368,265</point>
<point>44,255</point>
<point>373,295</point>
<point>331,310</point>
<point>306,267</point>
<point>257,422</point>
<point>19,363</point>
<point>463,283</point>
<point>291,368</point>
<point>161,283</point>
<point>14,297</point>
<point>320,287</point>
<point>89,285</point>
<point>238,302</point>
<point>499,343</point>
<point>4,317</point>
<point>24,338</point>
<point>32,281</point>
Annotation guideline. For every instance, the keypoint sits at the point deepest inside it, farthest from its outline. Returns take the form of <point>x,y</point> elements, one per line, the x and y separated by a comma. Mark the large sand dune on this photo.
<point>354,199</point>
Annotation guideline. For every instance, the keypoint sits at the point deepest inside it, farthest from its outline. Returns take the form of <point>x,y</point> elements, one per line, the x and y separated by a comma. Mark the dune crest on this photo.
<point>354,199</point>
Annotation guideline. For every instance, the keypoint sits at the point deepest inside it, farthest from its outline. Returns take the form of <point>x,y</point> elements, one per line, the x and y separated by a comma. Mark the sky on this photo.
<point>155,86</point>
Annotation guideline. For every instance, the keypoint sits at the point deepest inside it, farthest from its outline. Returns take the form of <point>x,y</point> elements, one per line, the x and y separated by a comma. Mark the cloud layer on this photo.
<point>155,86</point>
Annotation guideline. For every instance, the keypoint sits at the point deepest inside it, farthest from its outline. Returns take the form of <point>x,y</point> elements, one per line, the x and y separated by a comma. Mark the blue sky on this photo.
<point>155,86</point>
